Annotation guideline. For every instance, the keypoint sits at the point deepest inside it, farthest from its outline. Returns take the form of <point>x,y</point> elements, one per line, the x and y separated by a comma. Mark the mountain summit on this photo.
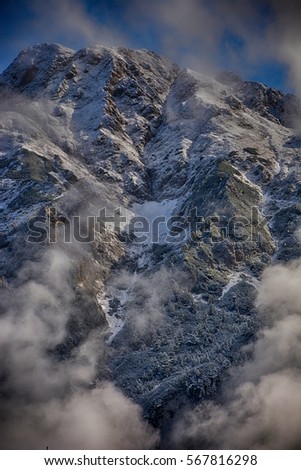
<point>192,185</point>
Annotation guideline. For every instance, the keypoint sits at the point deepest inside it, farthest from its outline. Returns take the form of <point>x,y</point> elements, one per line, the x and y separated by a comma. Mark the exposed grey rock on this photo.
<point>108,128</point>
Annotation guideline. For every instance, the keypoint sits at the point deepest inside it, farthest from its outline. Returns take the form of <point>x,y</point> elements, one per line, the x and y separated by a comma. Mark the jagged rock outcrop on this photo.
<point>112,128</point>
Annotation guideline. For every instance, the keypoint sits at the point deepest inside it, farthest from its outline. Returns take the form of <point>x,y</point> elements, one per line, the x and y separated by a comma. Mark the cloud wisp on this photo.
<point>239,35</point>
<point>70,21</point>
<point>47,401</point>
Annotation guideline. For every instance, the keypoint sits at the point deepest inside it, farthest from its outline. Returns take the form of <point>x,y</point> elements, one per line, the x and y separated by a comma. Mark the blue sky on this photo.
<point>249,37</point>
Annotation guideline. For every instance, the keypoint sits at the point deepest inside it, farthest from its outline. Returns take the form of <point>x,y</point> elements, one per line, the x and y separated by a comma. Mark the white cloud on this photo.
<point>70,22</point>
<point>47,402</point>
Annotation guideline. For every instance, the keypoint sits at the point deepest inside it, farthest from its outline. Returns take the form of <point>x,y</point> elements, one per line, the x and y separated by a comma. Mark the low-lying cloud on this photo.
<point>143,297</point>
<point>102,418</point>
<point>47,401</point>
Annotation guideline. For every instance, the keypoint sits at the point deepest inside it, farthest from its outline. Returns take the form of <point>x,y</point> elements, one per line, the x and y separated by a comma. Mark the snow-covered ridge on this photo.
<point>117,128</point>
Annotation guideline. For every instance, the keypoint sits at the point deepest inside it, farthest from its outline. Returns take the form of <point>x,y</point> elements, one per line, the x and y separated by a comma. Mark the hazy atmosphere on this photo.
<point>258,39</point>
<point>150,232</point>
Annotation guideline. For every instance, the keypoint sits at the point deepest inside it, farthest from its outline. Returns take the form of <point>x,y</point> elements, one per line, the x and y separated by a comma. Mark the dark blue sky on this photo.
<point>203,35</point>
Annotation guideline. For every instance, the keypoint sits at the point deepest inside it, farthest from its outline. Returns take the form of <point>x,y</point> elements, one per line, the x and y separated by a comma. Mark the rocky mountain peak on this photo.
<point>211,169</point>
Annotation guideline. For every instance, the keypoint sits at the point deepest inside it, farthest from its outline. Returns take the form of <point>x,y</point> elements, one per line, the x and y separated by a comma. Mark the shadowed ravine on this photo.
<point>150,255</point>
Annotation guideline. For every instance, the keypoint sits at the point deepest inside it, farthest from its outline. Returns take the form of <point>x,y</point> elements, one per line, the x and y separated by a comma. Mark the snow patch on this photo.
<point>116,317</point>
<point>238,277</point>
<point>151,211</point>
<point>198,298</point>
<point>234,279</point>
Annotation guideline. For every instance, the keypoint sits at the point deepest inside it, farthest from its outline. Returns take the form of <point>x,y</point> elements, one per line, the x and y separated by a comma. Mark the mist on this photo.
<point>53,401</point>
<point>239,35</point>
<point>47,401</point>
<point>70,21</point>
<point>260,403</point>
<point>145,296</point>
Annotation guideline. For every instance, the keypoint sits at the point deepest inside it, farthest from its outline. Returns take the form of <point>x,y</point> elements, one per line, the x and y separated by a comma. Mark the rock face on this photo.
<point>117,128</point>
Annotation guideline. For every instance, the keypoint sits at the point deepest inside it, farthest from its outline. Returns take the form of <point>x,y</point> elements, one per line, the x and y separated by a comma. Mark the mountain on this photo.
<point>205,173</point>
